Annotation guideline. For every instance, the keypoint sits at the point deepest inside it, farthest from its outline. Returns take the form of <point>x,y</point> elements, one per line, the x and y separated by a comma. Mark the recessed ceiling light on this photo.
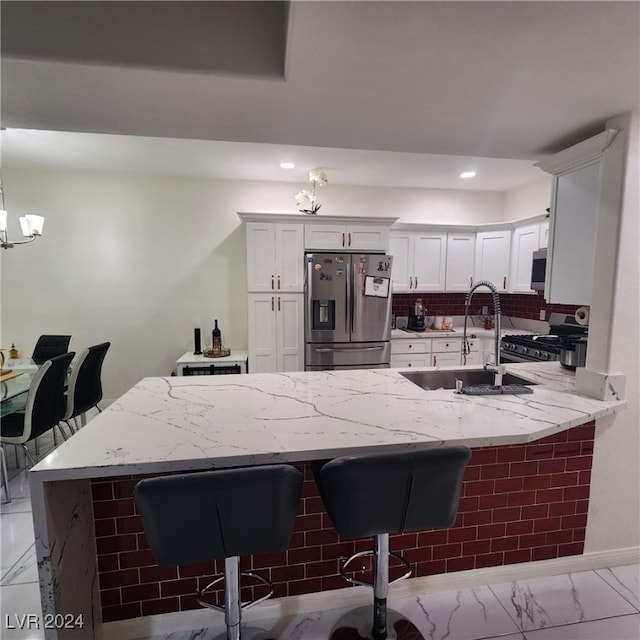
<point>287,165</point>
<point>468,174</point>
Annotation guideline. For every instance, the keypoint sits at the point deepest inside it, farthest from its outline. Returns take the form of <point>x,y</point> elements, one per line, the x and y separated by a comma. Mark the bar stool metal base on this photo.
<point>356,625</point>
<point>233,606</point>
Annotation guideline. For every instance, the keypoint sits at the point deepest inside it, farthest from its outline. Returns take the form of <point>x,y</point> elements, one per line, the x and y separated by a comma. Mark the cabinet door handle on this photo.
<point>410,282</point>
<point>278,303</point>
<point>272,304</point>
<point>343,238</point>
<point>416,277</point>
<point>349,238</point>
<point>434,361</point>
<point>504,282</point>
<point>410,346</point>
<point>278,283</point>
<point>272,287</point>
<point>470,281</point>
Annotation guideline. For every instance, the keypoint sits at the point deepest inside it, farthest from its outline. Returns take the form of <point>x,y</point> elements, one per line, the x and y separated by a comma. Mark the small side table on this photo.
<point>191,360</point>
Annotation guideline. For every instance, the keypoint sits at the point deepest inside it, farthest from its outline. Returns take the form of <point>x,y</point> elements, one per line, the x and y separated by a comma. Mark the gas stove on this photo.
<point>541,348</point>
<point>528,348</point>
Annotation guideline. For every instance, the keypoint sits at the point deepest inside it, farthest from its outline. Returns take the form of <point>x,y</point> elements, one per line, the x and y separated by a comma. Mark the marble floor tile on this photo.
<point>625,580</point>
<point>16,536</point>
<point>560,600</point>
<point>16,602</point>
<point>467,614</point>
<point>19,485</point>
<point>24,570</point>
<point>620,628</point>
<point>18,504</point>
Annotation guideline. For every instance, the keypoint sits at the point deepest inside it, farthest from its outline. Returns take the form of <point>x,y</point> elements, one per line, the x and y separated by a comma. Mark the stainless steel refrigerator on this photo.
<point>347,311</point>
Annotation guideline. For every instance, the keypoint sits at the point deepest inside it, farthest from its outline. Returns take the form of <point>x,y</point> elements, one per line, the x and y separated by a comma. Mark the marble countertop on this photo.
<point>184,423</point>
<point>480,332</point>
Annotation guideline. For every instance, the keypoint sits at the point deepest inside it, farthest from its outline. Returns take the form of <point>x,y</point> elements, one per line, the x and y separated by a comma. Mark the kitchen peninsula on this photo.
<point>525,495</point>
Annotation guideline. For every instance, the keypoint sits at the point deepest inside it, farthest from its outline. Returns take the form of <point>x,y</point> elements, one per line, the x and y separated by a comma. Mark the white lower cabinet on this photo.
<point>411,353</point>
<point>475,355</point>
<point>446,352</point>
<point>434,352</point>
<point>488,349</point>
<point>276,339</point>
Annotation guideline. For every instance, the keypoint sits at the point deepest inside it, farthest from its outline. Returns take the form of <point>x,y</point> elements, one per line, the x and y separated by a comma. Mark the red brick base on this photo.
<point>519,503</point>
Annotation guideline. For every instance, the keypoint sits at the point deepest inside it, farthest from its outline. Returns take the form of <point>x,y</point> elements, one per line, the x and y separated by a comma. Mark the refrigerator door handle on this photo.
<point>348,312</point>
<point>352,302</point>
<point>347,349</point>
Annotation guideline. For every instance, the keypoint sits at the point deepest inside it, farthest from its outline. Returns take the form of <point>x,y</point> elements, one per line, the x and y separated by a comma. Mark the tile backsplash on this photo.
<point>515,305</point>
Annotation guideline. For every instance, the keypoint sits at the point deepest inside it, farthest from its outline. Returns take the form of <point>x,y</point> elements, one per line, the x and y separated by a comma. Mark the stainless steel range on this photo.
<point>545,347</point>
<point>527,348</point>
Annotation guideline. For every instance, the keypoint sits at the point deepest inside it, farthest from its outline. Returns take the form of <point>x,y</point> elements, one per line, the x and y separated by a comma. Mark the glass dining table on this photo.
<point>15,381</point>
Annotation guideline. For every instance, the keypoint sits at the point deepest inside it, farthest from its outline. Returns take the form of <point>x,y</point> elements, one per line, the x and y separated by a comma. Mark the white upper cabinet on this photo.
<point>461,251</point>
<point>574,218</point>
<point>526,240</point>
<point>493,251</point>
<point>275,257</point>
<point>544,235</point>
<point>401,248</point>
<point>430,260</point>
<point>419,260</point>
<point>570,279</point>
<point>320,236</point>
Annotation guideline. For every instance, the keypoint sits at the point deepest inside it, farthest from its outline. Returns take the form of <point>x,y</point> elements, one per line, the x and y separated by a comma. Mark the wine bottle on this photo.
<point>216,336</point>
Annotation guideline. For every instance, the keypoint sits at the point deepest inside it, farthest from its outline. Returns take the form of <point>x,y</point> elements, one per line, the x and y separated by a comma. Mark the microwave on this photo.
<point>538,269</point>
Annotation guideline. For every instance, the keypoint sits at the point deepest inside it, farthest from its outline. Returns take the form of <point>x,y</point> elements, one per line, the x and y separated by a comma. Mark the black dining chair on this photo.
<point>85,385</point>
<point>45,408</point>
<point>50,346</point>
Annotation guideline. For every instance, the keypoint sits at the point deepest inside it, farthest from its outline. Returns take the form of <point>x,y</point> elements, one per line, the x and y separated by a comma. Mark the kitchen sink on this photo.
<point>471,378</point>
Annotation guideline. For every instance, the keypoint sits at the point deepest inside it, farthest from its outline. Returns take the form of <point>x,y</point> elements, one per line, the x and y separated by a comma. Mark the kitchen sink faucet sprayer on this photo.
<point>496,367</point>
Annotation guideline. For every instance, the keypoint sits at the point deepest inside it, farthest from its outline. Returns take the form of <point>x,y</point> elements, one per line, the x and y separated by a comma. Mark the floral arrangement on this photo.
<point>317,178</point>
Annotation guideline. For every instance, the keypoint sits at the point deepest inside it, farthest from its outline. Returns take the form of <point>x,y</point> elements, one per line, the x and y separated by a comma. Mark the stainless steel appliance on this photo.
<point>573,352</point>
<point>564,333</point>
<point>538,269</point>
<point>417,317</point>
<point>347,311</point>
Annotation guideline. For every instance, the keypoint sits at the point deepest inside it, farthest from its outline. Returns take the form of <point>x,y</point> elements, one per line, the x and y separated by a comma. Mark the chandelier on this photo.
<point>30,224</point>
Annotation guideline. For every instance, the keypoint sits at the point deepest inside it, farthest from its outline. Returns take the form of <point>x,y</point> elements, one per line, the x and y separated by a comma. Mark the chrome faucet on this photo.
<point>495,366</point>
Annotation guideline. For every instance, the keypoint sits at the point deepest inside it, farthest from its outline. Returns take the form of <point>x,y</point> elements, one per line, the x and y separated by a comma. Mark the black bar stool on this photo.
<point>220,514</point>
<point>379,494</point>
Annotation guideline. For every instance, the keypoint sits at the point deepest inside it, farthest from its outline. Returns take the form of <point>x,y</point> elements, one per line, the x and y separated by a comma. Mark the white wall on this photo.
<point>614,507</point>
<point>530,200</point>
<point>141,260</point>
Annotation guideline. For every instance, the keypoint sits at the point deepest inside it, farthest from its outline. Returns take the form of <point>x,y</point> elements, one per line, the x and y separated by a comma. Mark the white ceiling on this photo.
<point>390,93</point>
